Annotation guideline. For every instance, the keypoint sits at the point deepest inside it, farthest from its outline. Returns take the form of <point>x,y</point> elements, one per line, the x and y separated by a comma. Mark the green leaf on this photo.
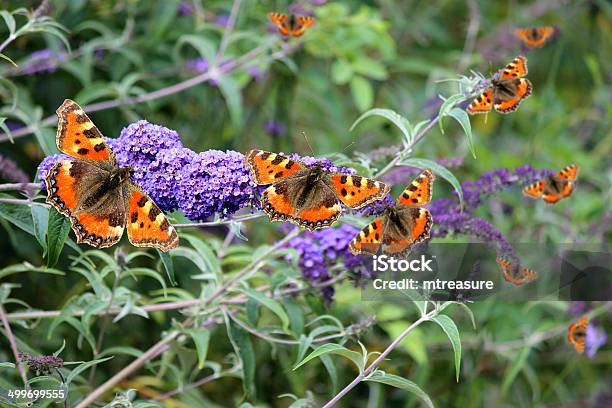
<point>82,367</point>
<point>446,106</point>
<point>370,68</point>
<point>401,383</point>
<point>363,94</point>
<point>233,98</point>
<point>40,218</point>
<point>241,341</point>
<point>207,254</point>
<point>201,338</point>
<point>296,317</point>
<point>517,365</point>
<point>330,366</point>
<point>18,215</point>
<point>27,267</point>
<point>393,116</point>
<point>464,120</point>
<point>271,304</point>
<point>333,348</point>
<point>204,47</point>
<point>57,233</point>
<point>341,72</point>
<point>7,365</point>
<point>9,20</point>
<point>450,328</point>
<point>5,128</point>
<point>168,266</point>
<point>6,58</point>
<point>440,171</point>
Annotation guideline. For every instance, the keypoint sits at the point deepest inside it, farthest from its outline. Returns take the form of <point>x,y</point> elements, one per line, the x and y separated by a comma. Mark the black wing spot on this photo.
<point>82,151</point>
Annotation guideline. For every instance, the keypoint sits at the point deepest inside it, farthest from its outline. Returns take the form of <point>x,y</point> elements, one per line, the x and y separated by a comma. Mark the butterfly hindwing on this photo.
<point>419,192</point>
<point>514,92</point>
<point>147,225</point>
<point>483,103</point>
<point>77,136</point>
<point>267,167</point>
<point>569,173</point>
<point>356,191</point>
<point>413,227</point>
<point>369,239</point>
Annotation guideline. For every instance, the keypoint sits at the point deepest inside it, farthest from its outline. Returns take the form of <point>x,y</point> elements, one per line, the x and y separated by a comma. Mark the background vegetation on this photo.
<point>218,74</point>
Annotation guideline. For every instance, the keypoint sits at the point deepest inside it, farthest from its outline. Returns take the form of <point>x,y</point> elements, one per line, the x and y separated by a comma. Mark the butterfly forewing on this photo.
<point>147,225</point>
<point>356,191</point>
<point>515,69</point>
<point>419,192</point>
<point>483,103</point>
<point>267,167</point>
<point>77,136</point>
<point>369,239</point>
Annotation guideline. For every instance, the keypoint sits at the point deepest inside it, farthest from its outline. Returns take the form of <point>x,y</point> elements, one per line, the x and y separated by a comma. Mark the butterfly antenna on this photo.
<point>308,142</point>
<point>349,145</point>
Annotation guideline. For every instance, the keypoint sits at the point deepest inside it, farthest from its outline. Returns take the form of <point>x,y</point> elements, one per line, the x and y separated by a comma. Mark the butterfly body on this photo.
<point>402,225</point>
<point>96,194</point>
<point>507,90</point>
<point>555,186</point>
<point>291,25</point>
<point>308,196</point>
<point>535,37</point>
<point>576,334</point>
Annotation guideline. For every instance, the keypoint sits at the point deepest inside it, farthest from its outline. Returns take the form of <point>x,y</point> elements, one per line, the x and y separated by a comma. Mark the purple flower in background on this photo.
<point>10,171</point>
<point>255,72</point>
<point>577,308</point>
<point>42,61</point>
<point>46,164</point>
<point>199,65</point>
<point>274,128</point>
<point>221,21</point>
<point>185,8</point>
<point>214,182</point>
<point>321,249</point>
<point>595,338</point>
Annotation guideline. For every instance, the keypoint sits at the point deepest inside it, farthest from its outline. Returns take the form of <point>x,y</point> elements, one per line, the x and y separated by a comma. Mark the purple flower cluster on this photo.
<point>321,249</point>
<point>41,364</point>
<point>42,61</point>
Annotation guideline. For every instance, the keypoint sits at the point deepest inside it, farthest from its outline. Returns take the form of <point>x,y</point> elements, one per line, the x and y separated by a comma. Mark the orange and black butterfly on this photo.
<point>535,37</point>
<point>554,187</point>
<point>514,273</point>
<point>576,334</point>
<point>291,25</point>
<point>401,226</point>
<point>508,89</point>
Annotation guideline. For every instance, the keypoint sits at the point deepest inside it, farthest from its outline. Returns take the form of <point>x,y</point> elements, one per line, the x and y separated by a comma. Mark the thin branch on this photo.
<point>220,222</point>
<point>378,360</point>
<point>11,339</point>
<point>229,28</point>
<point>19,186</point>
<point>470,37</point>
<point>22,202</point>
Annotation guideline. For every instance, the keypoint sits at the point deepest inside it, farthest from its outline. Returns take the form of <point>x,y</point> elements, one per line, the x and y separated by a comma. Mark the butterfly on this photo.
<point>554,187</point>
<point>534,37</point>
<point>291,25</point>
<point>508,89</point>
<point>308,196</point>
<point>401,226</point>
<point>516,274</point>
<point>576,334</point>
<point>96,194</point>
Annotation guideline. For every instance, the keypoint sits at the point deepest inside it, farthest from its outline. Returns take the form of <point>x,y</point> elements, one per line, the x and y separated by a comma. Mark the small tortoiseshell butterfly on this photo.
<point>96,194</point>
<point>515,274</point>
<point>403,225</point>
<point>308,196</point>
<point>554,187</point>
<point>534,37</point>
<point>507,91</point>
<point>291,25</point>
<point>576,334</point>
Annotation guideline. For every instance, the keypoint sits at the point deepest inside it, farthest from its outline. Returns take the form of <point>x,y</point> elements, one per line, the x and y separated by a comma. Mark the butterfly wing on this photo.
<point>513,93</point>
<point>535,190</point>
<point>280,21</point>
<point>369,239</point>
<point>301,23</point>
<point>534,37</point>
<point>419,192</point>
<point>508,269</point>
<point>517,68</point>
<point>414,227</point>
<point>320,208</point>
<point>147,226</point>
<point>576,334</point>
<point>356,191</point>
<point>306,21</point>
<point>569,173</point>
<point>529,275</point>
<point>268,168</point>
<point>483,103</point>
<point>78,137</point>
